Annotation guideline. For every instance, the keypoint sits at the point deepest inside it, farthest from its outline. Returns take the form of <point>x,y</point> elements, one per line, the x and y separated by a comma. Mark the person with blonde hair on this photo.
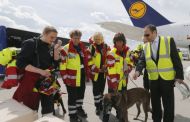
<point>98,51</point>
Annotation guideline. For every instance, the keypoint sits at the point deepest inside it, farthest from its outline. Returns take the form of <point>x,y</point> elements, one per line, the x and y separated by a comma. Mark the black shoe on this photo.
<point>75,119</point>
<point>117,115</point>
<point>105,118</point>
<point>98,111</point>
<point>81,113</point>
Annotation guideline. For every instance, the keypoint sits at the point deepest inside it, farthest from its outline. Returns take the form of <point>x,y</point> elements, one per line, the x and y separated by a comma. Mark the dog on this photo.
<point>122,101</point>
<point>58,101</point>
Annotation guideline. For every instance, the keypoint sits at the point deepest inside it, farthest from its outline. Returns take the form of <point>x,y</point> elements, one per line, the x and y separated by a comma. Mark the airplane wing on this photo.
<point>131,32</point>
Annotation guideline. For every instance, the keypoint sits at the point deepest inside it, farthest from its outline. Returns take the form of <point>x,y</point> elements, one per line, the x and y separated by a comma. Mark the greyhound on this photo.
<point>122,101</point>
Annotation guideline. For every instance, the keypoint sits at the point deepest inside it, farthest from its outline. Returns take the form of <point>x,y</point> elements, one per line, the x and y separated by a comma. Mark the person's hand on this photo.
<point>136,75</point>
<point>58,45</point>
<point>45,73</point>
<point>57,49</point>
<point>129,69</point>
<point>179,81</point>
<point>104,69</point>
<point>101,70</point>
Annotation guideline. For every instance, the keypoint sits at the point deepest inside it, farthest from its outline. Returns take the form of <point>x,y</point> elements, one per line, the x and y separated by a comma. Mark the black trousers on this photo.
<point>76,97</point>
<point>47,103</point>
<point>146,80</point>
<point>162,90</point>
<point>98,89</point>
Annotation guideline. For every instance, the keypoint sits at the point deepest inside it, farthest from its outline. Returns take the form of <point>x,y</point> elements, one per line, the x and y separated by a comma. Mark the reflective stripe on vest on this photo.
<point>164,68</point>
<point>11,72</point>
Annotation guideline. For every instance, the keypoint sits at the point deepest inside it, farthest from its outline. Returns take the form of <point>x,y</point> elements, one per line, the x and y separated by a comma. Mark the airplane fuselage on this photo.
<point>180,33</point>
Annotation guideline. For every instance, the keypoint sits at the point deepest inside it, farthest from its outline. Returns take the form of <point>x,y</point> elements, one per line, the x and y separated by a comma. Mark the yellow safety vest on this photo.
<point>164,68</point>
<point>180,55</point>
<point>119,67</point>
<point>72,66</point>
<point>12,73</point>
<point>7,54</point>
<point>96,60</point>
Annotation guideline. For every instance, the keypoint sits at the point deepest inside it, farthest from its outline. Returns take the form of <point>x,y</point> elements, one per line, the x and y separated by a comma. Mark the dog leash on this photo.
<point>124,77</point>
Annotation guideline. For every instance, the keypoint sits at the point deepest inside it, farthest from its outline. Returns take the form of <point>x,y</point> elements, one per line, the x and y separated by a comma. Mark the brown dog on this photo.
<point>123,101</point>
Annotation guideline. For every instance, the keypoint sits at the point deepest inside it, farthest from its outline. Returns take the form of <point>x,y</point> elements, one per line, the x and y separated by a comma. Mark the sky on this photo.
<point>66,15</point>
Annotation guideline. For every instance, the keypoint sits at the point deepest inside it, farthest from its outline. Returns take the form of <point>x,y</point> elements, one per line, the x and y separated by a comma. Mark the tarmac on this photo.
<point>182,107</point>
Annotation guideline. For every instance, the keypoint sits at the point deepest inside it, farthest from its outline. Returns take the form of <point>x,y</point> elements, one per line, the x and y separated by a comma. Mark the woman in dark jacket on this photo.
<point>35,58</point>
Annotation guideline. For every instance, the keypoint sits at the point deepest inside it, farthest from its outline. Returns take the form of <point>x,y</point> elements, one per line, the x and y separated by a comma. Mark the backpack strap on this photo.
<point>36,51</point>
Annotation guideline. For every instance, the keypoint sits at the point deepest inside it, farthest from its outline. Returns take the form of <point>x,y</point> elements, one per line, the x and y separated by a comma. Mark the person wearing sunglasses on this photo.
<point>164,67</point>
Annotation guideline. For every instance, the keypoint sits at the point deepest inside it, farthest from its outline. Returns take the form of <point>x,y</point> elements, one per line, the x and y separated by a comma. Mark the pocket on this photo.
<point>71,77</point>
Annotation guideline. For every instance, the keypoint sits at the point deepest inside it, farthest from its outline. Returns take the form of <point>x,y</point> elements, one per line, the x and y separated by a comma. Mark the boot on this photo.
<point>98,111</point>
<point>81,113</point>
<point>75,119</point>
<point>106,118</point>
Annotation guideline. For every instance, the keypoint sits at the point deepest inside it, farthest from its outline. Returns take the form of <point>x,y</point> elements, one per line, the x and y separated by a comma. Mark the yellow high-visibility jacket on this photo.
<point>164,68</point>
<point>97,59</point>
<point>118,66</point>
<point>70,66</point>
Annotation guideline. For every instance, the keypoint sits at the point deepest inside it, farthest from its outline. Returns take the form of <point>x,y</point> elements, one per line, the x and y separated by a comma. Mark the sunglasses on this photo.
<point>146,35</point>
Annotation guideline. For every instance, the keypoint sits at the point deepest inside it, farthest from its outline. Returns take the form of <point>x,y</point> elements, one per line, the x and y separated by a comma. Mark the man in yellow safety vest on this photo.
<point>164,67</point>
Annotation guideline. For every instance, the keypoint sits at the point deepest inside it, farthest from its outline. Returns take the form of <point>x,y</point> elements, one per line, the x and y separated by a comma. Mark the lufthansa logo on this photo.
<point>137,10</point>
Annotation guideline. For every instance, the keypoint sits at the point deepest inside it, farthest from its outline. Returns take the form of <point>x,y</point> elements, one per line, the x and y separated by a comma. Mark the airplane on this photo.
<point>141,14</point>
